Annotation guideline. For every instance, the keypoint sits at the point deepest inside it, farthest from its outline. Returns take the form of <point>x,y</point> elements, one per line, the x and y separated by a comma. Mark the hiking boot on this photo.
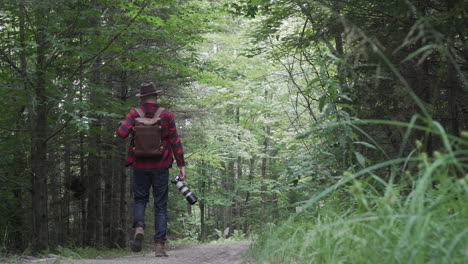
<point>160,250</point>
<point>138,239</point>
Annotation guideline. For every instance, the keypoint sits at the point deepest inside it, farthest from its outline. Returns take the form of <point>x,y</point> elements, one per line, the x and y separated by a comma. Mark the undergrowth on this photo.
<point>422,218</point>
<point>66,253</point>
<point>90,253</point>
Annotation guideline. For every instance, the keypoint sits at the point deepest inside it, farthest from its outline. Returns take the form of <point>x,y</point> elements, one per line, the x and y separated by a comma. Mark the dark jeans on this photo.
<point>143,179</point>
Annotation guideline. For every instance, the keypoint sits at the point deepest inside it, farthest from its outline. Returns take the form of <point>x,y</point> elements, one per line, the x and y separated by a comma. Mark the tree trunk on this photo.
<point>94,219</point>
<point>274,196</point>
<point>266,144</point>
<point>238,207</point>
<point>65,234</point>
<point>247,206</point>
<point>225,190</point>
<point>338,36</point>
<point>83,179</point>
<point>94,188</point>
<point>238,182</point>
<point>54,205</point>
<point>109,197</point>
<point>120,182</point>
<point>125,196</point>
<point>452,85</point>
<point>38,117</point>
<point>18,194</point>
<point>202,204</point>
<point>231,174</point>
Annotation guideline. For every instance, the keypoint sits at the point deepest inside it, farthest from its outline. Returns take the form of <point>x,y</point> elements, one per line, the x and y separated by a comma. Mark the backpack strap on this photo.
<point>140,112</point>
<point>159,112</point>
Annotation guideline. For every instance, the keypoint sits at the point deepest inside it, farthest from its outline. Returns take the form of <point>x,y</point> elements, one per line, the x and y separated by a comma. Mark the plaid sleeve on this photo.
<point>127,125</point>
<point>175,141</point>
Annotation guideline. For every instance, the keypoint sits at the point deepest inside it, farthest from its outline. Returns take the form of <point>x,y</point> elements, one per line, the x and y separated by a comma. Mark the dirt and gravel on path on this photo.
<point>227,253</point>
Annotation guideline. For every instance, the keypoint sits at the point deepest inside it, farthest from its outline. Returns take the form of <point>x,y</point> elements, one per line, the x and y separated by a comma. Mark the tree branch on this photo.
<point>325,40</point>
<point>25,186</point>
<point>13,130</point>
<point>111,41</point>
<point>7,59</point>
<point>58,130</point>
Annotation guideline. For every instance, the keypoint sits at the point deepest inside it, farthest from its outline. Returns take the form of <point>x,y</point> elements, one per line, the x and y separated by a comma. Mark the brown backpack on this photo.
<point>147,140</point>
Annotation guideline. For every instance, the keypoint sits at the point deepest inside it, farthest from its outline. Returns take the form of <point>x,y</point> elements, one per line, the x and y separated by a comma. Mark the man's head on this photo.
<point>148,93</point>
<point>152,98</point>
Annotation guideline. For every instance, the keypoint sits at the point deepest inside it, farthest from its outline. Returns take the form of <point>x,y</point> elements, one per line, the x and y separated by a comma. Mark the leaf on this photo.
<point>330,107</point>
<point>346,97</point>
<point>366,144</point>
<point>419,51</point>
<point>346,106</point>
<point>361,159</point>
<point>313,82</point>
<point>322,101</point>
<point>218,232</point>
<point>226,232</point>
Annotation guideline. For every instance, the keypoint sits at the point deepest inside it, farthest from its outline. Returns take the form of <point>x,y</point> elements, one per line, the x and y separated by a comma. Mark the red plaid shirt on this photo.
<point>171,140</point>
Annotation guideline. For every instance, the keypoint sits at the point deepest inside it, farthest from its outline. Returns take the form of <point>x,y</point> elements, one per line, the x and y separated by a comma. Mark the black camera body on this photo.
<point>184,190</point>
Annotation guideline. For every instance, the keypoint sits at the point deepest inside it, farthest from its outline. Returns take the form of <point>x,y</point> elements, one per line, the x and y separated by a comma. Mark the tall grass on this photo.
<point>366,219</point>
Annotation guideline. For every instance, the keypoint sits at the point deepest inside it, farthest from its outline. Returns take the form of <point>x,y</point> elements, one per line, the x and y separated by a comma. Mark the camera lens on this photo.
<point>184,190</point>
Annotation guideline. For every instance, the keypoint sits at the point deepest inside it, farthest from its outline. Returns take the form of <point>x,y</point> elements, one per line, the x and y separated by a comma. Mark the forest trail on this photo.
<point>228,253</point>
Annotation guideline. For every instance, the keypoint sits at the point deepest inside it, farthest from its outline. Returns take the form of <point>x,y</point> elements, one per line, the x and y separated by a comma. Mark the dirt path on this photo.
<point>229,253</point>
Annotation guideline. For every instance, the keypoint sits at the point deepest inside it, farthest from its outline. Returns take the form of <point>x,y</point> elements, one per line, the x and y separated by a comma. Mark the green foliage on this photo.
<point>365,218</point>
<point>90,57</point>
<point>89,253</point>
<point>284,101</point>
<point>223,236</point>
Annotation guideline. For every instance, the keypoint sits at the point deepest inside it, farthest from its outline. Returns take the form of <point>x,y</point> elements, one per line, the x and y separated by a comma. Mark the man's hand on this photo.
<point>183,174</point>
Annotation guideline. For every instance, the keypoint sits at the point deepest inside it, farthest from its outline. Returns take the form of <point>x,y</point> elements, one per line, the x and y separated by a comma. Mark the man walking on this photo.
<point>152,171</point>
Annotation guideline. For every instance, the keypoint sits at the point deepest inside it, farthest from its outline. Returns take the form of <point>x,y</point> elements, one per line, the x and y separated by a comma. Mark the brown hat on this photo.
<point>147,89</point>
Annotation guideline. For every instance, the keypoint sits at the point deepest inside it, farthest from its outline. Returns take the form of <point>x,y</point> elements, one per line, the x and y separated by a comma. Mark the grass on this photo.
<point>69,253</point>
<point>94,253</point>
<point>366,219</point>
<point>91,253</point>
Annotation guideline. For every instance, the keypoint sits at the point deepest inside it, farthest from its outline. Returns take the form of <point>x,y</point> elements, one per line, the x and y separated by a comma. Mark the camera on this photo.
<point>184,190</point>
